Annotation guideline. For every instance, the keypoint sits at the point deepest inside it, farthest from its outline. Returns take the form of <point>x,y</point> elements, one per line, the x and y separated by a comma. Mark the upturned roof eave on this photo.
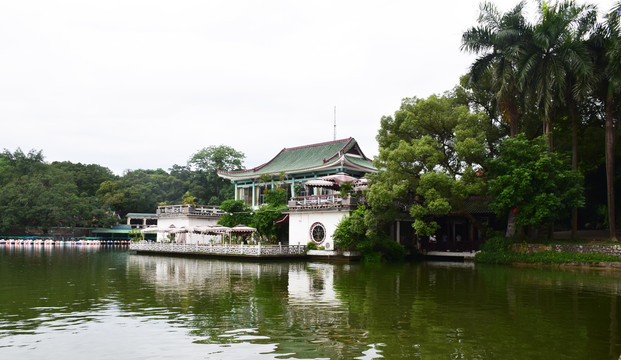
<point>341,161</point>
<point>348,143</point>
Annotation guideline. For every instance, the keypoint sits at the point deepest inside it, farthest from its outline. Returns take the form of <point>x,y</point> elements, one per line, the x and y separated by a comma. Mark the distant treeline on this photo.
<point>38,194</point>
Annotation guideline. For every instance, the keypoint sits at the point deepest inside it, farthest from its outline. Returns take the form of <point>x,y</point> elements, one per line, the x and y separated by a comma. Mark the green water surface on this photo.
<point>105,303</point>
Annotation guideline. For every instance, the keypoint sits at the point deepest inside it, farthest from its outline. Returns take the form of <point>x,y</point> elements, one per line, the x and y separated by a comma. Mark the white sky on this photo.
<point>136,84</point>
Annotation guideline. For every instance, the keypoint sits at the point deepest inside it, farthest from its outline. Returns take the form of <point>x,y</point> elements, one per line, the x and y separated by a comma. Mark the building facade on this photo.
<point>314,211</point>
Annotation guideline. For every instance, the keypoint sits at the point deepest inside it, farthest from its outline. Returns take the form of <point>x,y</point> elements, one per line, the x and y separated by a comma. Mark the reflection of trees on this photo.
<point>312,310</point>
<point>536,312</point>
<point>407,311</point>
<point>40,280</point>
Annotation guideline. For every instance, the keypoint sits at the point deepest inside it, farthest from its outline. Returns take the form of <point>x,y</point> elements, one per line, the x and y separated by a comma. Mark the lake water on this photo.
<point>105,303</point>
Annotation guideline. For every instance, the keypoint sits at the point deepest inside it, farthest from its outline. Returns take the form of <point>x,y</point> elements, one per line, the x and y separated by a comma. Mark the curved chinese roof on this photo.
<point>339,154</point>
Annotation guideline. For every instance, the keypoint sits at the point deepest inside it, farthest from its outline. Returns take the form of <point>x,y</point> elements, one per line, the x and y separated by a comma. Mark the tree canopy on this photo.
<point>431,153</point>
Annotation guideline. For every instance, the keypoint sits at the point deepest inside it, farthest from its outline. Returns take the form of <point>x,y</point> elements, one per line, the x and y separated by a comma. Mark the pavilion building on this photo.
<point>314,211</point>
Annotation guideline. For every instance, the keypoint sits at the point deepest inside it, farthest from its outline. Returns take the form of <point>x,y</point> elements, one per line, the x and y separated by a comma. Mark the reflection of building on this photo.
<point>314,211</point>
<point>313,286</point>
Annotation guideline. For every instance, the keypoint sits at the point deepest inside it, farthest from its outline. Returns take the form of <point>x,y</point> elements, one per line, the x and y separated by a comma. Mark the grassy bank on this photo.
<point>497,250</point>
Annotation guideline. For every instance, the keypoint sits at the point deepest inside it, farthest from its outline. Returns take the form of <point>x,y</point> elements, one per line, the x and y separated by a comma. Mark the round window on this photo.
<point>318,233</point>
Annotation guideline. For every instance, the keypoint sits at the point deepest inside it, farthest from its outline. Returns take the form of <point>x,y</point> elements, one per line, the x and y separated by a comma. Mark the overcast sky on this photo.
<point>145,84</point>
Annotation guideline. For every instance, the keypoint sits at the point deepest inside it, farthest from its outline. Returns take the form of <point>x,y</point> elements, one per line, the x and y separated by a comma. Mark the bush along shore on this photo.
<point>500,250</point>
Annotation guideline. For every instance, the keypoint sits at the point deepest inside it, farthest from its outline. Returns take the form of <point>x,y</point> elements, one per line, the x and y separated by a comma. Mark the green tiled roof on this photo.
<point>360,161</point>
<point>307,157</point>
<point>140,215</point>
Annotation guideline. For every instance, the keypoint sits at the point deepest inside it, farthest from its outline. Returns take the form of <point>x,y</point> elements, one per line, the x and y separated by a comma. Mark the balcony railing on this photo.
<point>189,210</point>
<point>321,201</point>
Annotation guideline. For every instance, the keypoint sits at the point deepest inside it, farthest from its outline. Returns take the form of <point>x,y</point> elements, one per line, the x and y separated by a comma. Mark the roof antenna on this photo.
<point>335,123</point>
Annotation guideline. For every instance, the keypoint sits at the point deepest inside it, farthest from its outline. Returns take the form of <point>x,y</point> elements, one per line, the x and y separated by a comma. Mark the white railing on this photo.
<point>313,201</point>
<point>173,210</point>
<point>220,249</point>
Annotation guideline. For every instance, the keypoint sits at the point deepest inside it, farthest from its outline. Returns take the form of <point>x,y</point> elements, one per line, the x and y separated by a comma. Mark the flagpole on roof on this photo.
<point>334,122</point>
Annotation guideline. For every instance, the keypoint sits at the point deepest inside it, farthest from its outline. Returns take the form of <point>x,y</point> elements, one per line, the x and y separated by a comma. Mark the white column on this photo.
<point>254,193</point>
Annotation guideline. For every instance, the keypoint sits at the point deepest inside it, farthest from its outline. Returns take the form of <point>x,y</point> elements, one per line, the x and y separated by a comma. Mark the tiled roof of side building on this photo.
<point>307,157</point>
<point>140,215</point>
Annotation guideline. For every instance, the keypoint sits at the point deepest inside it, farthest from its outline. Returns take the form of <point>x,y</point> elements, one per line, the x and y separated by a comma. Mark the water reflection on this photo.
<point>162,307</point>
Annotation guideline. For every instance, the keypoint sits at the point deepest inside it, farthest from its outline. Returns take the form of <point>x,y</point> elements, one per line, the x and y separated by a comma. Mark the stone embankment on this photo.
<point>613,250</point>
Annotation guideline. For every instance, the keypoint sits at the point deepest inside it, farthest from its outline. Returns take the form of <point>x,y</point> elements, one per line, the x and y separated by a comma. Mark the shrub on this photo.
<point>496,244</point>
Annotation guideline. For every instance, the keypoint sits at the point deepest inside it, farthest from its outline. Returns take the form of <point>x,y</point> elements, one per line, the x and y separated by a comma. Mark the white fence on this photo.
<point>220,249</point>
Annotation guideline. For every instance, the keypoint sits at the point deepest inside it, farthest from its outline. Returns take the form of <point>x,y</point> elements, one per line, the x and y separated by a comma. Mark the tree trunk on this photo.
<point>547,132</point>
<point>610,164</point>
<point>574,163</point>
<point>510,225</point>
<point>513,120</point>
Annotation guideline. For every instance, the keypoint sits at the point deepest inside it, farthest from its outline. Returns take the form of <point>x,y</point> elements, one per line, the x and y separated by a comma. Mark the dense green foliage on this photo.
<point>140,191</point>
<point>533,182</point>
<point>558,76</point>
<point>202,178</point>
<point>236,212</point>
<point>538,93</point>
<point>262,219</point>
<point>36,194</point>
<point>352,233</point>
<point>430,154</point>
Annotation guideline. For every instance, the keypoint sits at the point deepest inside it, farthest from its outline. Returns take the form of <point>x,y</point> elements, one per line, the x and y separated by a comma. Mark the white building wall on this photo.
<point>186,221</point>
<point>300,224</point>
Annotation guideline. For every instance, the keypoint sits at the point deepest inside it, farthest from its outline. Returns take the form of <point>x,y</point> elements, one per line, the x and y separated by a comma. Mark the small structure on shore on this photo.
<point>141,220</point>
<point>174,221</point>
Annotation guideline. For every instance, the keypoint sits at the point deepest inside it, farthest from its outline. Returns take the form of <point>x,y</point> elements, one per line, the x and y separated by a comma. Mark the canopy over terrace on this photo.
<point>203,230</point>
<point>333,182</point>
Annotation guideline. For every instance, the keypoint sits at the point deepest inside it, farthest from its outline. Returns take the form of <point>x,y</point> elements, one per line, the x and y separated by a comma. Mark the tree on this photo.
<point>235,213</point>
<point>205,182</point>
<point>613,72</point>
<point>36,194</point>
<point>264,217</point>
<point>87,177</point>
<point>556,67</point>
<point>499,39</point>
<point>534,183</point>
<point>431,156</point>
<point>352,233</point>
<point>188,199</point>
<point>140,191</point>
<point>605,46</point>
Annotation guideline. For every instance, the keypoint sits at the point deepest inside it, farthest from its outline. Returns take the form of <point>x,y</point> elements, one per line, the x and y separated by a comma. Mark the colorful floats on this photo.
<point>53,242</point>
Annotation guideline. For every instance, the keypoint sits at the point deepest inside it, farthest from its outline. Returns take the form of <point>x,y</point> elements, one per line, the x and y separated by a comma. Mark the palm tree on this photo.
<point>556,68</point>
<point>557,55</point>
<point>605,46</point>
<point>499,39</point>
<point>613,74</point>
